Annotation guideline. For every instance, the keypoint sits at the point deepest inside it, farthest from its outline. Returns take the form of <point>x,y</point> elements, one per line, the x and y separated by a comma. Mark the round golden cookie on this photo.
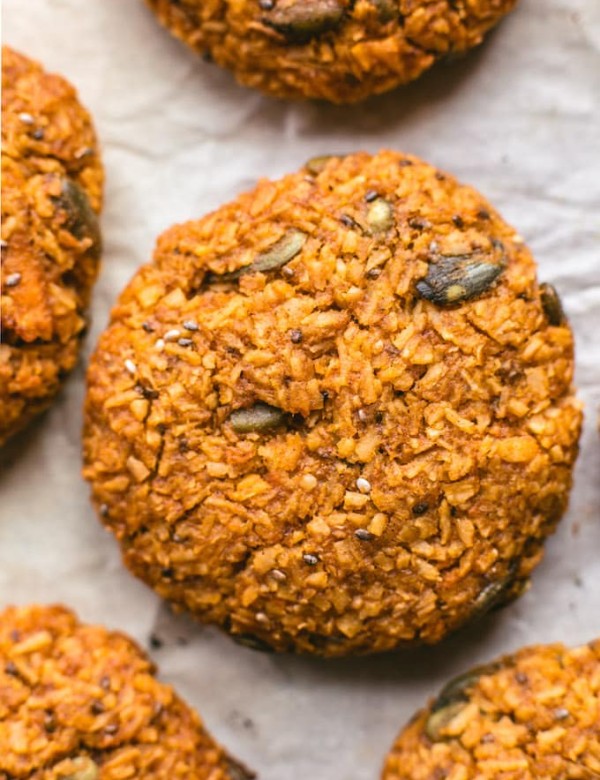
<point>534,715</point>
<point>51,195</point>
<point>337,50</point>
<point>336,416</point>
<point>78,702</point>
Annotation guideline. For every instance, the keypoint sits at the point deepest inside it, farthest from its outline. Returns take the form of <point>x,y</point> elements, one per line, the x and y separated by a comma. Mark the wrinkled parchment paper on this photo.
<point>520,120</point>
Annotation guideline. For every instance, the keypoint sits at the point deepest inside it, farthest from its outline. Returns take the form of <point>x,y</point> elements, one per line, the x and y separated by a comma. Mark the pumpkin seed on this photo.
<point>282,251</point>
<point>253,642</point>
<point>494,593</point>
<point>551,304</point>
<point>317,164</point>
<point>454,279</point>
<point>453,698</point>
<point>300,20</point>
<point>439,719</point>
<point>238,771</point>
<point>380,215</point>
<point>81,219</point>
<point>256,419</point>
<point>386,9</point>
<point>85,769</point>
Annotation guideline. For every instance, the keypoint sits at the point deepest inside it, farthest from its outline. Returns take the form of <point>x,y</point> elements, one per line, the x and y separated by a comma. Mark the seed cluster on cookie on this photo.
<point>338,50</point>
<point>336,415</point>
<point>51,195</point>
<point>78,702</point>
<point>532,715</point>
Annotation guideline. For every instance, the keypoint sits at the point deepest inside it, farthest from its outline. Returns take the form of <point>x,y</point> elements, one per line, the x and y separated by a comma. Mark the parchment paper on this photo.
<point>519,119</point>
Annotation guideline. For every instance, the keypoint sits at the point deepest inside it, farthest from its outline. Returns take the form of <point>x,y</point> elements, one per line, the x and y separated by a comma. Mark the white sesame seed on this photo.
<point>278,575</point>
<point>261,617</point>
<point>130,366</point>
<point>362,415</point>
<point>12,280</point>
<point>26,118</point>
<point>190,325</point>
<point>159,344</point>
<point>363,485</point>
<point>172,335</point>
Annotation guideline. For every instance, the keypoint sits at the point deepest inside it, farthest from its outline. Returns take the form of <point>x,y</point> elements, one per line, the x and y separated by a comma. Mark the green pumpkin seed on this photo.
<point>380,215</point>
<point>454,279</point>
<point>386,9</point>
<point>81,219</point>
<point>253,642</point>
<point>282,251</point>
<point>256,419</point>
<point>439,719</point>
<point>317,164</point>
<point>551,304</point>
<point>300,20</point>
<point>86,769</point>
<point>453,698</point>
<point>489,596</point>
<point>238,771</point>
<point>494,593</point>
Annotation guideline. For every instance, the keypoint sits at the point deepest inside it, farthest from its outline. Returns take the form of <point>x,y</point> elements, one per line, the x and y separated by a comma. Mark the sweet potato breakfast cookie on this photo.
<point>531,716</point>
<point>336,415</point>
<point>79,702</point>
<point>51,194</point>
<point>338,50</point>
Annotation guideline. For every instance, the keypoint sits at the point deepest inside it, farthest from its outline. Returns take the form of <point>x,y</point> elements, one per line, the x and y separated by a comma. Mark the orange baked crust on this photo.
<point>78,702</point>
<point>51,194</point>
<point>413,455</point>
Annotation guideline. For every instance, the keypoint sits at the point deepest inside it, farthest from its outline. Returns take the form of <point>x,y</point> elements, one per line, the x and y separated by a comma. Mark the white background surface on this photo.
<point>519,119</point>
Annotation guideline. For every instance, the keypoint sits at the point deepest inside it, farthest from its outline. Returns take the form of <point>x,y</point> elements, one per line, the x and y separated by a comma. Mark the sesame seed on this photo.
<point>310,559</point>
<point>26,118</point>
<point>190,325</point>
<point>261,617</point>
<point>159,344</point>
<point>362,415</point>
<point>12,280</point>
<point>3,243</point>
<point>103,510</point>
<point>130,366</point>
<point>434,246</point>
<point>420,508</point>
<point>364,535</point>
<point>278,575</point>
<point>172,335</point>
<point>185,342</point>
<point>38,134</point>
<point>560,713</point>
<point>148,327</point>
<point>296,336</point>
<point>363,485</point>
<point>371,196</point>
